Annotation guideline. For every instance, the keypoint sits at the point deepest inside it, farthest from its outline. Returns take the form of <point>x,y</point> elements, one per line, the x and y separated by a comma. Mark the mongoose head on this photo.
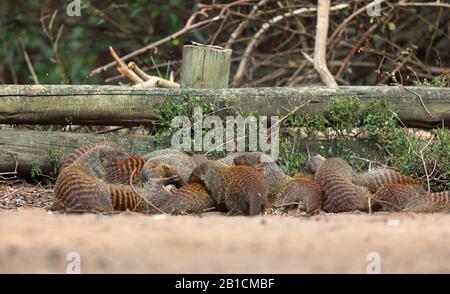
<point>253,160</point>
<point>198,174</point>
<point>203,165</point>
<point>160,173</point>
<point>314,163</point>
<point>110,158</point>
<point>257,203</point>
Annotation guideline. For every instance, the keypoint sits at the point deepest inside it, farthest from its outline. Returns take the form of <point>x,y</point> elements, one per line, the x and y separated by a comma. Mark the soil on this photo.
<point>34,240</point>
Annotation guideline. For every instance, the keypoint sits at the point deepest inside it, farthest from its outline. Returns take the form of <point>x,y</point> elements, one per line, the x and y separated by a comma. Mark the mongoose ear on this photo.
<point>315,162</point>
<point>241,160</point>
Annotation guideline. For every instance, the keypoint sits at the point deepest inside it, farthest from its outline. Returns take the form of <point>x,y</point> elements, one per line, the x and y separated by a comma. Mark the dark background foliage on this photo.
<point>413,40</point>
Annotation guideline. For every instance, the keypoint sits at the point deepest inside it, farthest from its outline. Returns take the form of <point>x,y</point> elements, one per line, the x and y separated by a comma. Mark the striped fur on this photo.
<point>340,194</point>
<point>77,190</point>
<point>300,189</point>
<point>395,195</point>
<point>429,202</point>
<point>177,161</point>
<point>247,190</point>
<point>120,169</point>
<point>375,179</point>
<point>123,198</point>
<point>191,198</point>
<point>77,153</point>
<point>240,189</point>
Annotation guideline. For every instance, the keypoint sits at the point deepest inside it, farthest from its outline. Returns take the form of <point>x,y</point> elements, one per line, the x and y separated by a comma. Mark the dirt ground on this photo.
<point>33,240</point>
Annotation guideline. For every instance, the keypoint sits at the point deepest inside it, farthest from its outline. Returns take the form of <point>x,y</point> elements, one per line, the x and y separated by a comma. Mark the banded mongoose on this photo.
<point>177,161</point>
<point>84,186</point>
<point>375,179</point>
<point>393,197</point>
<point>78,152</point>
<point>335,177</point>
<point>80,184</point>
<point>399,197</point>
<point>83,193</point>
<point>286,191</point>
<point>191,198</point>
<point>241,189</point>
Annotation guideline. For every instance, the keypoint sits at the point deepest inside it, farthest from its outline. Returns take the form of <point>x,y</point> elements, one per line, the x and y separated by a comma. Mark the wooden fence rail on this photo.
<point>131,106</point>
<point>42,149</point>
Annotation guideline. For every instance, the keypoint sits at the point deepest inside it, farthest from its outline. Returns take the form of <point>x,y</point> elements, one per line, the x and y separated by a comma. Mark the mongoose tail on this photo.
<point>429,202</point>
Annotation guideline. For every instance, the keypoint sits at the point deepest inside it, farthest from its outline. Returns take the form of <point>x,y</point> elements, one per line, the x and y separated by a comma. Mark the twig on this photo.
<point>339,29</point>
<point>14,173</point>
<point>421,101</point>
<point>241,27</point>
<point>358,45</point>
<point>29,64</point>
<point>425,169</point>
<point>239,76</point>
<point>424,4</point>
<point>209,209</point>
<point>187,28</point>
<point>293,111</point>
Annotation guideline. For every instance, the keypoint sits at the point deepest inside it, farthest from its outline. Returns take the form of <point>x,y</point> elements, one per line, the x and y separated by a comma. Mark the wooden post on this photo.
<point>205,67</point>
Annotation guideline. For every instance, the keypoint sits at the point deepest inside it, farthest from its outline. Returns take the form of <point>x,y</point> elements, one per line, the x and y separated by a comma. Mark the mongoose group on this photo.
<point>102,178</point>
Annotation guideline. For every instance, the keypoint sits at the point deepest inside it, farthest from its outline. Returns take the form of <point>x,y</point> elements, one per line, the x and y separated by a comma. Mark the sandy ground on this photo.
<point>35,241</point>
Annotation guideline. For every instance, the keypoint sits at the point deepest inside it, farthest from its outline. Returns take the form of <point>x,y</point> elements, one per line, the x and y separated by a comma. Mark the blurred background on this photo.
<point>407,43</point>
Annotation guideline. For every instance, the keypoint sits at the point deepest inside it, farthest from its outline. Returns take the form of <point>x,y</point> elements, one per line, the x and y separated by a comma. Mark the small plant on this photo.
<point>54,161</point>
<point>441,81</point>
<point>290,158</point>
<point>343,115</point>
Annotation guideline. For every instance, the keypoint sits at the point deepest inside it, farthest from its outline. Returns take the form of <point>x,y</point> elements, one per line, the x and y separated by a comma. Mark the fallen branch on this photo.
<point>138,76</point>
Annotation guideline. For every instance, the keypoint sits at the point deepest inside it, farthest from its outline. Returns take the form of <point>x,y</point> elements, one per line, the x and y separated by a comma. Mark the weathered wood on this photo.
<point>118,105</point>
<point>30,148</point>
<point>205,67</point>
